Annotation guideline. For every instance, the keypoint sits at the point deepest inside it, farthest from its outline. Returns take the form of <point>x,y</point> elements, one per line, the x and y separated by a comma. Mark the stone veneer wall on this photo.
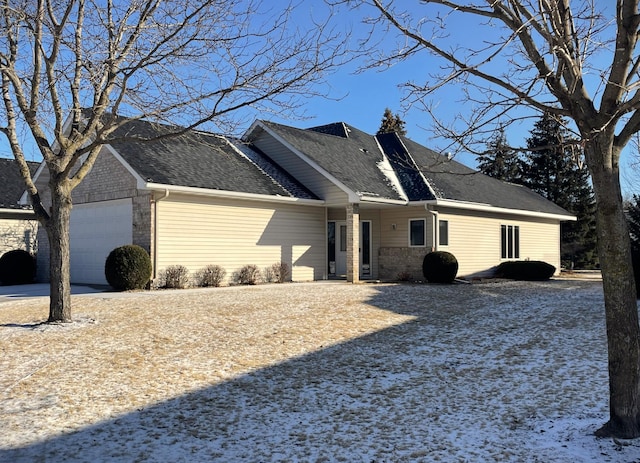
<point>393,262</point>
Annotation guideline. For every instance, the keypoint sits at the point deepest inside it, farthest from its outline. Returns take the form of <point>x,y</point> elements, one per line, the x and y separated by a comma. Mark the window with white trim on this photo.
<point>510,241</point>
<point>443,233</point>
<point>417,232</point>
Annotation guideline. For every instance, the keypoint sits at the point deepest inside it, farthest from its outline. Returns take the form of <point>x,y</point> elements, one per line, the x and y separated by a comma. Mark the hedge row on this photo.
<point>528,270</point>
<point>129,267</point>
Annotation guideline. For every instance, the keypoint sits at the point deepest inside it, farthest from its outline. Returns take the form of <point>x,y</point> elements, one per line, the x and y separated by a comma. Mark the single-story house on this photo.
<point>330,201</point>
<point>18,224</point>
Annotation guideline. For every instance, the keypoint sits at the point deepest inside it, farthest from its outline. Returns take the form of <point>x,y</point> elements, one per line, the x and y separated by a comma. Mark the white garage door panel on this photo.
<point>97,228</point>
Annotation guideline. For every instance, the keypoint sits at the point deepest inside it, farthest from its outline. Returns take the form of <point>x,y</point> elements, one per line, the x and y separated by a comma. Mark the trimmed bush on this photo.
<point>280,272</point>
<point>248,275</point>
<point>176,277</point>
<point>128,267</point>
<point>527,270</point>
<point>17,267</point>
<point>211,275</point>
<point>440,267</point>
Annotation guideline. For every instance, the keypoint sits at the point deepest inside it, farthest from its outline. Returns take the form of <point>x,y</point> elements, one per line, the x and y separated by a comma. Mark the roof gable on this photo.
<point>202,160</point>
<point>11,183</point>
<point>351,156</point>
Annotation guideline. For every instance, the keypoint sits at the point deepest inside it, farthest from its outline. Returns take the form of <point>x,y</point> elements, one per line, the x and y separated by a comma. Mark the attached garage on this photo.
<point>96,229</point>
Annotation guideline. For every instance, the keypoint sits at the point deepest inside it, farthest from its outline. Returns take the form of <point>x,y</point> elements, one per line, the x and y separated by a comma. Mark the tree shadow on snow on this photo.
<point>395,394</point>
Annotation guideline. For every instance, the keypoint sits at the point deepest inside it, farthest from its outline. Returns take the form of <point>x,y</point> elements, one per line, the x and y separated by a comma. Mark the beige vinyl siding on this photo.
<point>337,213</point>
<point>303,172</point>
<point>196,232</point>
<point>475,240</point>
<point>398,237</point>
<point>541,241</point>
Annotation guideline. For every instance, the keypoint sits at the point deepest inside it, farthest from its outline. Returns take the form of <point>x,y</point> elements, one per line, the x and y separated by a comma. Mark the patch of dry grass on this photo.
<point>123,354</point>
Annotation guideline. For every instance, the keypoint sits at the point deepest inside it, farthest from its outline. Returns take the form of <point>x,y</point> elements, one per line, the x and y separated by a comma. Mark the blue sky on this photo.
<point>360,98</point>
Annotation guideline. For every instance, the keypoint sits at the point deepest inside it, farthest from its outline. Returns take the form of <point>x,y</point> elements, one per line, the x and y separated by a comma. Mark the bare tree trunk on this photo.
<point>59,266</point>
<point>623,331</point>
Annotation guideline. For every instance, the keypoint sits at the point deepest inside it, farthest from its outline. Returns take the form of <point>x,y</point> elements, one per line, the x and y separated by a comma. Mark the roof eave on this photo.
<point>482,207</point>
<point>16,211</point>
<point>374,199</point>
<point>230,194</point>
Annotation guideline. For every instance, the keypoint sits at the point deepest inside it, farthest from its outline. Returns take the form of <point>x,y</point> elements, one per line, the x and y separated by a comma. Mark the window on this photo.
<point>365,245</point>
<point>443,233</point>
<point>331,247</point>
<point>343,238</point>
<point>510,241</point>
<point>417,232</point>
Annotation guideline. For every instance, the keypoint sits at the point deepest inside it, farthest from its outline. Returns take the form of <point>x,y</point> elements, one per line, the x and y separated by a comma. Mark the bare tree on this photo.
<point>565,58</point>
<point>71,68</point>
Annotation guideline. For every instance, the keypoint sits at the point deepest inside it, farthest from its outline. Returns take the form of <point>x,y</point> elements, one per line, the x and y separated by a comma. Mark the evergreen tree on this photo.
<point>391,123</point>
<point>633,219</point>
<point>500,161</point>
<point>554,168</point>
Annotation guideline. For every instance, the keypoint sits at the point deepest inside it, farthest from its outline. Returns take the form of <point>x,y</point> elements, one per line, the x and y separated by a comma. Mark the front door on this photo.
<point>337,247</point>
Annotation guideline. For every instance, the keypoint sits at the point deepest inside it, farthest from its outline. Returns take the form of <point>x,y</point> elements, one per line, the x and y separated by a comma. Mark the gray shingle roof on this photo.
<point>354,158</point>
<point>202,160</point>
<point>348,154</point>
<point>11,184</point>
<point>452,180</point>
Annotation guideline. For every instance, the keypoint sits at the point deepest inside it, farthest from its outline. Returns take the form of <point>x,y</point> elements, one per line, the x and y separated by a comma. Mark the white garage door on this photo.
<point>97,228</point>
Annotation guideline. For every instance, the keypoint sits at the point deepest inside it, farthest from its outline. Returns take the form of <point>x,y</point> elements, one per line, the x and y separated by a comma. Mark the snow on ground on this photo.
<point>326,372</point>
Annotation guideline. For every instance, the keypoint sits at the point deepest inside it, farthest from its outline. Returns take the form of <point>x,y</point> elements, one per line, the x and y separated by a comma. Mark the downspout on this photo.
<point>325,275</point>
<point>434,231</point>
<point>155,232</point>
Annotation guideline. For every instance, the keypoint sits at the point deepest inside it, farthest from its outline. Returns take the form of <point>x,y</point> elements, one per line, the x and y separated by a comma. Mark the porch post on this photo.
<point>353,243</point>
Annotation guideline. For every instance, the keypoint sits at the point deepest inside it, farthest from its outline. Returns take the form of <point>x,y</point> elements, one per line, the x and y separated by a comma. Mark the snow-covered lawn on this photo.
<point>324,372</point>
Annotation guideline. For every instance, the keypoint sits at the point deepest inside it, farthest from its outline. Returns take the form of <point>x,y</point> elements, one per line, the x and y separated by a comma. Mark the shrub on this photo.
<point>403,276</point>
<point>211,275</point>
<point>528,270</point>
<point>175,277</point>
<point>128,267</point>
<point>267,275</point>
<point>440,267</point>
<point>248,275</point>
<point>17,267</point>
<point>280,272</point>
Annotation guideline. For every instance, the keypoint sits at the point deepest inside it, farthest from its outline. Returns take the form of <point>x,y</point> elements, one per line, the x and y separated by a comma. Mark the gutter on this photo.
<point>488,208</point>
<point>229,194</point>
<point>373,199</point>
<point>17,211</point>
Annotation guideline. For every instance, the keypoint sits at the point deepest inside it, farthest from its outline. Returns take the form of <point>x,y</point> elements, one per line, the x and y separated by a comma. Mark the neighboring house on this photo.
<point>330,201</point>
<point>18,225</point>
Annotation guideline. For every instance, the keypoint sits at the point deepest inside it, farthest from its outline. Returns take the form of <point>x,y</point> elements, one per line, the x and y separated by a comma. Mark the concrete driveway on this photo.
<point>12,293</point>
